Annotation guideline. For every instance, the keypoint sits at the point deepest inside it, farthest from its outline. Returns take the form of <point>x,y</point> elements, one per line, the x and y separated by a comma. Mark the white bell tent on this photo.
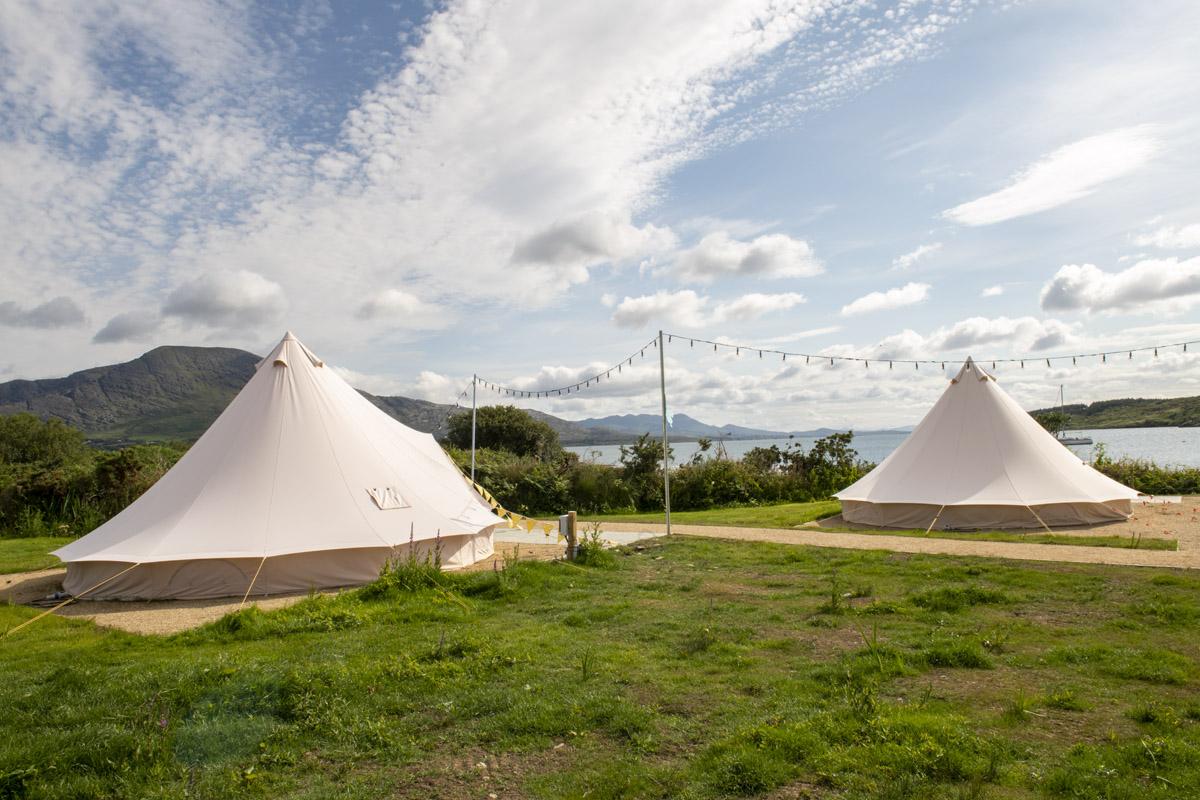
<point>301,483</point>
<point>978,460</point>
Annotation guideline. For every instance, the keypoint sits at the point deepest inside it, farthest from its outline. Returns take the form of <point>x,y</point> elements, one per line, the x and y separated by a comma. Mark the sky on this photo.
<point>529,191</point>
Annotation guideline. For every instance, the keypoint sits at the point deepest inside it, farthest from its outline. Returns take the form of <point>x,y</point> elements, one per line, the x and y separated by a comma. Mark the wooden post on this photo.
<point>474,383</point>
<point>662,380</point>
<point>572,540</point>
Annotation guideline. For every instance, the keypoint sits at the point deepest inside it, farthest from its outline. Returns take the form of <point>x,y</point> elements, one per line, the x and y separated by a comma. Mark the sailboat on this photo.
<point>1062,437</point>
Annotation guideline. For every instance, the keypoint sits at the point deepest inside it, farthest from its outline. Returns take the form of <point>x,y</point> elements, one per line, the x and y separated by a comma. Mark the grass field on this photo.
<point>28,554</point>
<point>789,515</point>
<point>694,668</point>
<point>784,515</point>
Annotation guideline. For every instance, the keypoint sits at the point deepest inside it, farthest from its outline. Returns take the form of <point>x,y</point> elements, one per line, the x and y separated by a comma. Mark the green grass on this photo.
<point>28,554</point>
<point>694,668</point>
<point>785,515</point>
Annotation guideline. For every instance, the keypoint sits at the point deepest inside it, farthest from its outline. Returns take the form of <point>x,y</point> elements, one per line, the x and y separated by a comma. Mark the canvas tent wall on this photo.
<point>978,460</point>
<point>301,483</point>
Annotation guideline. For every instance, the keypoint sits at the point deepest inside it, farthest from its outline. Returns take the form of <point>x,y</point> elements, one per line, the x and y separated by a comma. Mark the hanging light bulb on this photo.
<point>785,356</point>
<point>1104,358</point>
<point>889,365</point>
<point>806,359</point>
<point>1072,361</point>
<point>760,353</point>
<point>831,361</point>
<point>1131,355</point>
<point>866,364</point>
<point>1156,352</point>
<point>1047,362</point>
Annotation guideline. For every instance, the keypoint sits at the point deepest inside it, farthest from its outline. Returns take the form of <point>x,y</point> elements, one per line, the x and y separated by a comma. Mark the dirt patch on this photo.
<point>172,616</point>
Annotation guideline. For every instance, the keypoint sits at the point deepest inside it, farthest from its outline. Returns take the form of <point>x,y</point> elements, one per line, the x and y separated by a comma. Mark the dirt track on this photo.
<point>1179,521</point>
<point>172,616</point>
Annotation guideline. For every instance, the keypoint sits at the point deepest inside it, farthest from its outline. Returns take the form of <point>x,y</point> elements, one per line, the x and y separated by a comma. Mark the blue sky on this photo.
<point>530,190</point>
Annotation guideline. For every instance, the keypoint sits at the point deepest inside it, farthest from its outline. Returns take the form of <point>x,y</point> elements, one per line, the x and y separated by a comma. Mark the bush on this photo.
<point>52,483</point>
<point>1146,476</point>
<point>506,428</point>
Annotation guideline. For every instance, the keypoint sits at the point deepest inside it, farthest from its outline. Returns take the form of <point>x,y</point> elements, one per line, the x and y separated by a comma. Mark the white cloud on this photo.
<point>128,326</point>
<point>1069,173</point>
<point>774,255</point>
<point>1167,237</point>
<point>908,260</point>
<point>906,295</point>
<point>401,309</point>
<point>1022,334</point>
<point>227,299</point>
<point>686,309</point>
<point>591,239</point>
<point>59,312</point>
<point>992,291</point>
<point>1165,285</point>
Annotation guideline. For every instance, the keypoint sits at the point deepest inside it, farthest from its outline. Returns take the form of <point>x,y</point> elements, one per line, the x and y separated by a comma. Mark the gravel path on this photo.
<point>172,616</point>
<point>1179,521</point>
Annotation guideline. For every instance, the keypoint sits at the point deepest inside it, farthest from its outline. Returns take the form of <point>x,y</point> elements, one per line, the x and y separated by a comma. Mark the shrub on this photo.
<point>506,428</point>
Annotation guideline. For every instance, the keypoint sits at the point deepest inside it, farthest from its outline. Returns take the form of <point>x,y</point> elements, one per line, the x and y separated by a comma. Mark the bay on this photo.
<point>1179,447</point>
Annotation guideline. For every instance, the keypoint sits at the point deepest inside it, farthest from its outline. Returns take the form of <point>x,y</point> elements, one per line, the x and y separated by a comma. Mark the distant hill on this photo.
<point>1181,412</point>
<point>168,393</point>
<point>175,392</point>
<point>682,426</point>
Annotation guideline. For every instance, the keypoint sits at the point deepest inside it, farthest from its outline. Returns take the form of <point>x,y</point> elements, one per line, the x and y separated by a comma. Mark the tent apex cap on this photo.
<point>289,336</point>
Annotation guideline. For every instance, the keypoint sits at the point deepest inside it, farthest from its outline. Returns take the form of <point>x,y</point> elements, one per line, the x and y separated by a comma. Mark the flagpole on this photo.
<point>662,379</point>
<point>474,382</point>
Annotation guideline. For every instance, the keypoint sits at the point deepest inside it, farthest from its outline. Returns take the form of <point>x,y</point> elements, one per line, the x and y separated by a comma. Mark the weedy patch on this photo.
<point>956,598</point>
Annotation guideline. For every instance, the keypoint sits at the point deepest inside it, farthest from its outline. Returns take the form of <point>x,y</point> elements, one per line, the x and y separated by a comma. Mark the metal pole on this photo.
<point>662,379</point>
<point>474,382</point>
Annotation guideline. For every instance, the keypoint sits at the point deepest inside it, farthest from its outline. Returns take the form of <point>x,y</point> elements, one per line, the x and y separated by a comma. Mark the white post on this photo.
<point>662,379</point>
<point>474,382</point>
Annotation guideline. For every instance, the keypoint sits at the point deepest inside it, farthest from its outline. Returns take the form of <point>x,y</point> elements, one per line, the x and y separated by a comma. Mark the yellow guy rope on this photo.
<point>1039,519</point>
<point>936,517</point>
<point>252,580</point>
<point>68,601</point>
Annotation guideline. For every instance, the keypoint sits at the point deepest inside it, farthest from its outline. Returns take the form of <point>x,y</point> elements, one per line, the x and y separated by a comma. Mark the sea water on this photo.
<point>1166,446</point>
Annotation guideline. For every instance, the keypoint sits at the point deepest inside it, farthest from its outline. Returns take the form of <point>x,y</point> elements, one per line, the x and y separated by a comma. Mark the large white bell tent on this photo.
<point>978,460</point>
<point>301,483</point>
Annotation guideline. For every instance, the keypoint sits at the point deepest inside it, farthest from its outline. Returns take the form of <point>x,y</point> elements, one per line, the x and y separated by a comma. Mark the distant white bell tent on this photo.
<point>300,484</point>
<point>978,460</point>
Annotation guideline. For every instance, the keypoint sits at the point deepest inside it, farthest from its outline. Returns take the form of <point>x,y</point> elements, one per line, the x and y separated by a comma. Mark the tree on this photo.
<point>641,472</point>
<point>25,439</point>
<point>505,428</point>
<point>1052,421</point>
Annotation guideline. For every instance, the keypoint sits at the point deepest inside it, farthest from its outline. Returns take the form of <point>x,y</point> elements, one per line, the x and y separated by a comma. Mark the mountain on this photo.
<point>1182,412</point>
<point>684,427</point>
<point>168,393</point>
<point>175,392</point>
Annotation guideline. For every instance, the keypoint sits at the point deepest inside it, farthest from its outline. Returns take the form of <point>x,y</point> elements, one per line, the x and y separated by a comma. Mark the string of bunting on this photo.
<point>585,383</point>
<point>513,519</point>
<point>809,358</point>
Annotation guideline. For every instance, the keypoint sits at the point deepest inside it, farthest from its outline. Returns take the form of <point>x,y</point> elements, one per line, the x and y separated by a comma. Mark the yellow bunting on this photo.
<point>529,525</point>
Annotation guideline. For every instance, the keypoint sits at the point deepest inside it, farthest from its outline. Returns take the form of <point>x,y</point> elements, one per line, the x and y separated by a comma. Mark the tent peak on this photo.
<point>970,366</point>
